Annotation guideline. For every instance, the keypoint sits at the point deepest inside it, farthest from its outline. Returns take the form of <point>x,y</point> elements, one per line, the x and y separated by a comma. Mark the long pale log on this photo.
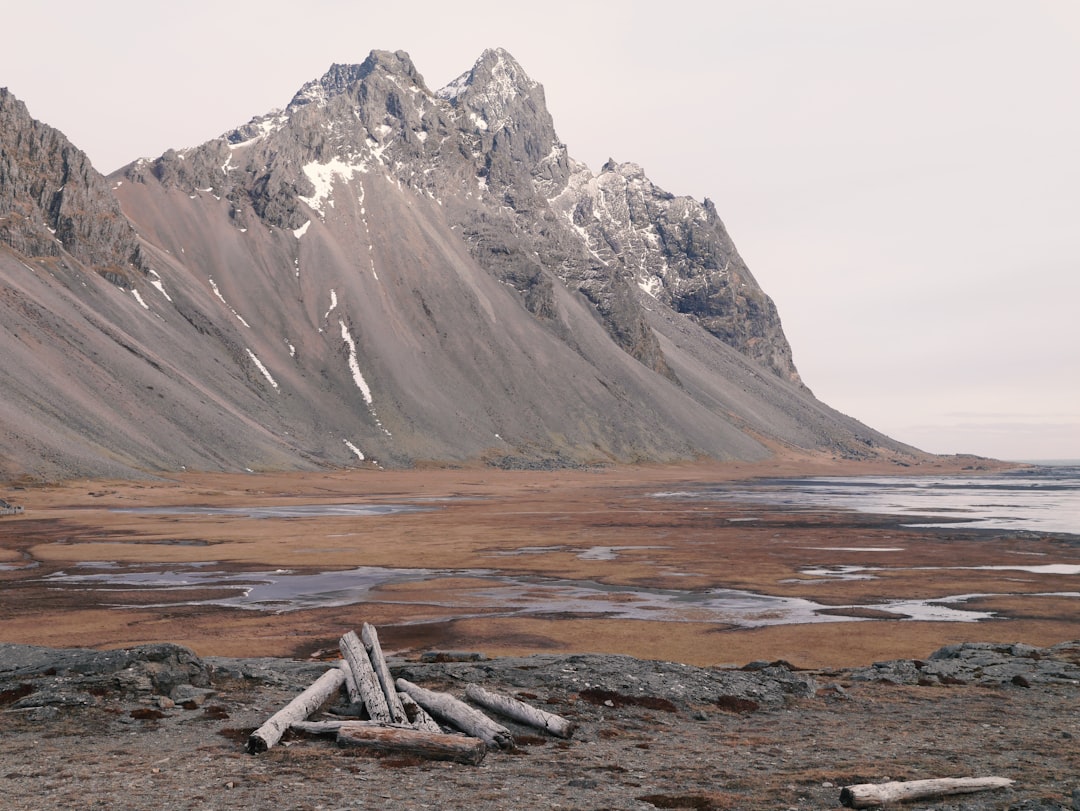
<point>366,681</point>
<point>370,638</point>
<point>868,795</point>
<point>350,685</point>
<point>420,718</point>
<point>319,693</point>
<point>520,711</point>
<point>430,746</point>
<point>459,715</point>
<point>356,701</point>
<point>333,726</point>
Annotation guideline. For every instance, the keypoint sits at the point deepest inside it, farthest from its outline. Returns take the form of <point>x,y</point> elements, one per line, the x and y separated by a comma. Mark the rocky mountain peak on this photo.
<point>497,94</point>
<point>339,79</point>
<point>53,200</point>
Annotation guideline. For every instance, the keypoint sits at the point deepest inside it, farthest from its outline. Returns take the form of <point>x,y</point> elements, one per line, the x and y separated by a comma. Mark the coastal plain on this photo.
<point>505,562</point>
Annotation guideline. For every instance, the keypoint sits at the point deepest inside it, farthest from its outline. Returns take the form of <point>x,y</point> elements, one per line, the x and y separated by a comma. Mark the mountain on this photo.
<point>380,274</point>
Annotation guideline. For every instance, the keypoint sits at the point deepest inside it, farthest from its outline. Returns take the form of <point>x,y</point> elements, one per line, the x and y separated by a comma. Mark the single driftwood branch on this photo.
<point>420,719</point>
<point>366,681</point>
<point>370,638</point>
<point>520,711</point>
<point>431,746</point>
<point>319,693</point>
<point>868,795</point>
<point>459,715</point>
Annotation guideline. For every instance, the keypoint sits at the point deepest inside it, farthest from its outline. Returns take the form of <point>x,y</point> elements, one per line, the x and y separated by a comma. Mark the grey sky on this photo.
<point>902,177</point>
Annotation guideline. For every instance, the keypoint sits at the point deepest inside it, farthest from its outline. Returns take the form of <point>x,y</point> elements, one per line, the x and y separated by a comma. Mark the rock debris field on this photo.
<point>158,727</point>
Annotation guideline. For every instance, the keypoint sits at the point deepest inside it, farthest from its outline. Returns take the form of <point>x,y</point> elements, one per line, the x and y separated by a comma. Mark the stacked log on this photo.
<point>364,679</point>
<point>520,711</point>
<point>397,739</point>
<point>460,715</point>
<point>370,638</point>
<point>313,698</point>
<point>401,713</point>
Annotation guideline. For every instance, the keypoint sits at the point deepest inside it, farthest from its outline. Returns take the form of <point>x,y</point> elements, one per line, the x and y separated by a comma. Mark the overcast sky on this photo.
<point>903,178</point>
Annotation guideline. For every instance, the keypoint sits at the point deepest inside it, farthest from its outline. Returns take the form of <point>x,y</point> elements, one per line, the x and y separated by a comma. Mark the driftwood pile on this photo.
<point>401,717</point>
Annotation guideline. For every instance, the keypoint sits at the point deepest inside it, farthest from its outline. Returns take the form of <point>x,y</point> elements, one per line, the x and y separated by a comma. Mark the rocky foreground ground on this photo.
<point>158,727</point>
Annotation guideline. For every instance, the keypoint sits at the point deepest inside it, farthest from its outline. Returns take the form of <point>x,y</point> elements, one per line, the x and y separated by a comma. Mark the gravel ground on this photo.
<point>156,727</point>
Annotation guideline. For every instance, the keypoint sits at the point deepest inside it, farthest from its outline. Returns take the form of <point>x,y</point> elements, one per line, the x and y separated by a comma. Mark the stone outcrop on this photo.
<point>53,200</point>
<point>984,663</point>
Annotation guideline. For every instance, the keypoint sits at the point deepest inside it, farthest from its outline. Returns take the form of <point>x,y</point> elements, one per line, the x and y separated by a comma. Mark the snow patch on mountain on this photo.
<point>651,285</point>
<point>354,364</point>
<point>259,365</point>
<point>255,130</point>
<point>323,175</point>
<point>155,280</point>
<point>217,292</point>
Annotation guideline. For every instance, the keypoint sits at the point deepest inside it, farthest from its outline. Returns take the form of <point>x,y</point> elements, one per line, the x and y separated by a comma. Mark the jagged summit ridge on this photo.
<point>340,78</point>
<point>531,215</point>
<point>494,91</point>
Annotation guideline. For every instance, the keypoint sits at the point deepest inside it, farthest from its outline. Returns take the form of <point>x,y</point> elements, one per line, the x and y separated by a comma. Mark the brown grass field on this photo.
<point>523,525</point>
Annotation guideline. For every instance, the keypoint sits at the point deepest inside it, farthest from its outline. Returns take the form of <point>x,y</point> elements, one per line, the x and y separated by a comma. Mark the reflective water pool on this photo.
<point>500,595</point>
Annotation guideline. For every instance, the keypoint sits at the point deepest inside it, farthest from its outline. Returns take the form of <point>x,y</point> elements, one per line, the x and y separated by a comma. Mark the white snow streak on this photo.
<point>299,232</point>
<point>156,281</point>
<point>258,363</point>
<point>354,364</point>
<point>139,299</point>
<point>217,293</point>
<point>354,449</point>
<point>333,304</point>
<point>651,285</point>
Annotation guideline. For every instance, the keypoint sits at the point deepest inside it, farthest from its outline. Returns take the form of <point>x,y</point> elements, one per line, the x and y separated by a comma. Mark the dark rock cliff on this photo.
<point>51,198</point>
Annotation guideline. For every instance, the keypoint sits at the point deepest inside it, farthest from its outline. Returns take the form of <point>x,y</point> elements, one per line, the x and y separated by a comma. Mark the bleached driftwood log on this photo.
<point>413,742</point>
<point>459,715</point>
<point>356,701</point>
<point>867,795</point>
<point>370,638</point>
<point>319,693</point>
<point>520,711</point>
<point>332,727</point>
<point>420,719</point>
<point>364,677</point>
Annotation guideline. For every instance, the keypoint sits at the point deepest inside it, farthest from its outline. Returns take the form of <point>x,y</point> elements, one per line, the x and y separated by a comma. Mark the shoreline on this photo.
<point>494,519</point>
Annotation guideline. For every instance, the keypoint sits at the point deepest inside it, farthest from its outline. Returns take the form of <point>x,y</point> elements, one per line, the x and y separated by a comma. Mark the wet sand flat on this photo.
<point>512,562</point>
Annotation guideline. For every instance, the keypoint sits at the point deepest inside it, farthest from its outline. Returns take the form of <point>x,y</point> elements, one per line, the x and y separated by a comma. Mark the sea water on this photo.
<point>1041,499</point>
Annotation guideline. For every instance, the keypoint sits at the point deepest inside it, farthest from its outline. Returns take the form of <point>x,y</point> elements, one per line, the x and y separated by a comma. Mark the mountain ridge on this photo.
<point>380,274</point>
